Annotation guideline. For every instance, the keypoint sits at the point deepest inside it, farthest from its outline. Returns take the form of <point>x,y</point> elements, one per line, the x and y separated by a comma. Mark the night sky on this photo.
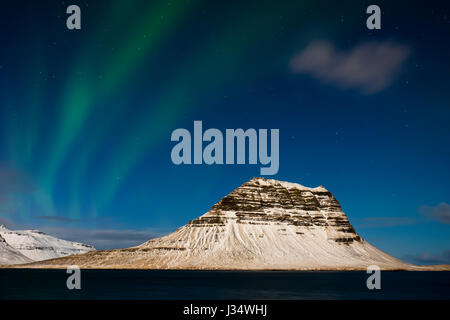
<point>86,115</point>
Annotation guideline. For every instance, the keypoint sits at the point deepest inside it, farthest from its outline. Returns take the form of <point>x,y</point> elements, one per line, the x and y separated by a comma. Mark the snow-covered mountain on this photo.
<point>23,246</point>
<point>263,224</point>
<point>8,255</point>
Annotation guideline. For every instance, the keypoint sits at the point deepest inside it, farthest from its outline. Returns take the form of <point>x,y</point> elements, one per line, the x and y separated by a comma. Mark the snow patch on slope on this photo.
<point>8,255</point>
<point>23,246</point>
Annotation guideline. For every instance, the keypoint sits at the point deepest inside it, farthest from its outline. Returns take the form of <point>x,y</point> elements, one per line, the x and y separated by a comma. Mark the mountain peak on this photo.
<point>263,224</point>
<point>288,185</point>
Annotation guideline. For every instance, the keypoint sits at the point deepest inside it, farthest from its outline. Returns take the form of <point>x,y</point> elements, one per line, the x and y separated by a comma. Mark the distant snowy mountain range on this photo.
<point>22,246</point>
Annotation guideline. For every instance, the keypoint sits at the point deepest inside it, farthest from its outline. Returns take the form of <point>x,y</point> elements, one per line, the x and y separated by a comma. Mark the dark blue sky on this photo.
<point>87,115</point>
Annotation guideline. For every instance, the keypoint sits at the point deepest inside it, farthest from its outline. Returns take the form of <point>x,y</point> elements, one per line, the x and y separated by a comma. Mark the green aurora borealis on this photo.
<point>86,115</point>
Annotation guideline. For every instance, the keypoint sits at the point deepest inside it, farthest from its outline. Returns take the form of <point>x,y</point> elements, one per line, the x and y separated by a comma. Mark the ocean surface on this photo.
<point>162,285</point>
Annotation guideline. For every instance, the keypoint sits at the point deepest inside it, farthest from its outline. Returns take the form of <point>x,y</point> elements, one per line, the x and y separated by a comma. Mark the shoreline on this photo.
<point>440,268</point>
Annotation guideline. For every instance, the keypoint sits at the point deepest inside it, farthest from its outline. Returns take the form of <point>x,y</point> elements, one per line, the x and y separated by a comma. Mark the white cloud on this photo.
<point>368,67</point>
<point>441,212</point>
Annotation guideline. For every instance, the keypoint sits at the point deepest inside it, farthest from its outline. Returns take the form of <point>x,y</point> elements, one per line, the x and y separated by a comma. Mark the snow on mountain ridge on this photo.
<point>288,185</point>
<point>9,255</point>
<point>36,245</point>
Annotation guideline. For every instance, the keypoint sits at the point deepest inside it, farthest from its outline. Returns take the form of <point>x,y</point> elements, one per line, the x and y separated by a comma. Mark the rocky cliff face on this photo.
<point>263,224</point>
<point>267,202</point>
